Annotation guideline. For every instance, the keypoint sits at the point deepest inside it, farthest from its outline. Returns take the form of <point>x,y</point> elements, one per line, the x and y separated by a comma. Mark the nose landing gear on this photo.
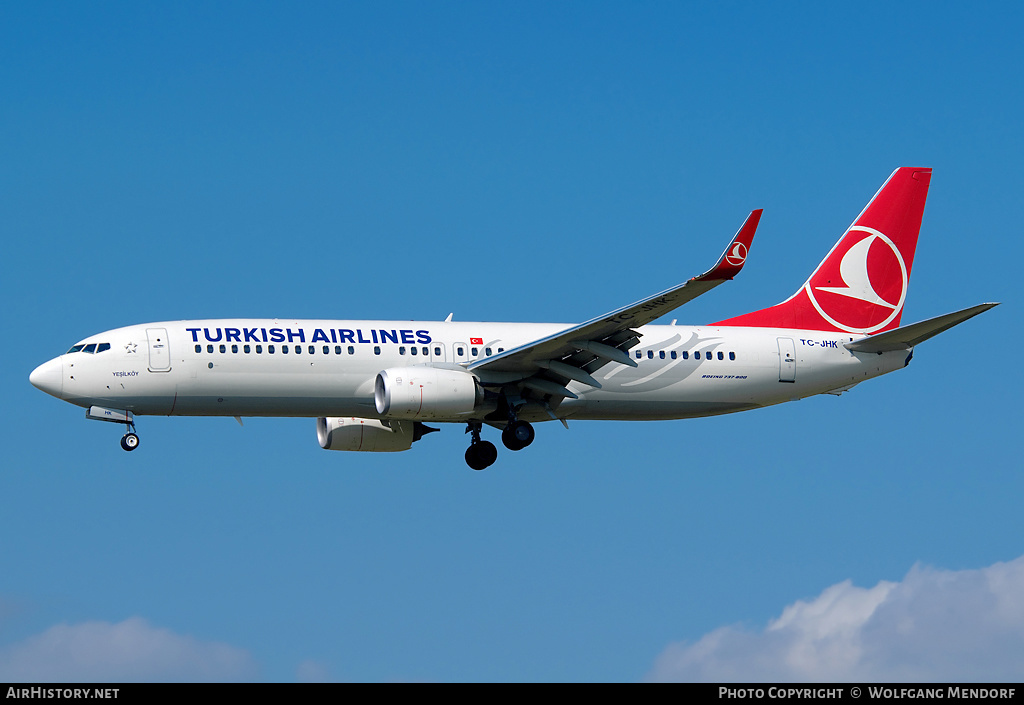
<point>130,441</point>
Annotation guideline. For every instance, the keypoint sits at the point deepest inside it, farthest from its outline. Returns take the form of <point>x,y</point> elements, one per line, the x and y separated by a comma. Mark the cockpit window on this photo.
<point>91,348</point>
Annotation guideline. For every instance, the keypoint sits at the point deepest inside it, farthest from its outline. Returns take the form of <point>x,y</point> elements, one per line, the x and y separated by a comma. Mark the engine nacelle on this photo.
<point>426,393</point>
<point>351,433</point>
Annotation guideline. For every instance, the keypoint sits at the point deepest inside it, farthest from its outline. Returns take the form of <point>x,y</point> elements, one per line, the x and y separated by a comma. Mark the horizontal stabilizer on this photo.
<point>909,336</point>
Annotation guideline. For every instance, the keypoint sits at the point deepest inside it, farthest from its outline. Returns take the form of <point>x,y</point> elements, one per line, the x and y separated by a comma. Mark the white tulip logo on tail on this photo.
<point>847,310</point>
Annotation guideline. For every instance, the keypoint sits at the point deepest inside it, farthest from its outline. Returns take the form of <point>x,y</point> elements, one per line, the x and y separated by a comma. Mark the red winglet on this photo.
<point>731,261</point>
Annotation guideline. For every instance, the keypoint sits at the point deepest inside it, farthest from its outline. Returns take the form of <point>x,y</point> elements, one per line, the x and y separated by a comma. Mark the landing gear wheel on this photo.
<point>517,435</point>
<point>481,455</point>
<point>129,441</point>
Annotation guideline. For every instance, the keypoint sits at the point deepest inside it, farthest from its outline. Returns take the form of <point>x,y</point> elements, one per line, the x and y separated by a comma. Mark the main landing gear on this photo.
<point>482,454</point>
<point>517,435</point>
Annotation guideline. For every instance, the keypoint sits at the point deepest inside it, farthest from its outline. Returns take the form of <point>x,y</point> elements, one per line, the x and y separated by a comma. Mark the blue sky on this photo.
<point>526,162</point>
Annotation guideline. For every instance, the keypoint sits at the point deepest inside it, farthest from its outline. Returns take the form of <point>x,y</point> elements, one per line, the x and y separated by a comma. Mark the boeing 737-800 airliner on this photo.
<point>373,385</point>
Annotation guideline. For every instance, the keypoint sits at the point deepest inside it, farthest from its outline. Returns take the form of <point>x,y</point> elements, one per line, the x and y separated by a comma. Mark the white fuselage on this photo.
<point>314,368</point>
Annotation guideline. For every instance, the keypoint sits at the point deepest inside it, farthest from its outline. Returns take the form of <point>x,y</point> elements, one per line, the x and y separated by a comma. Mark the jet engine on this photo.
<point>426,393</point>
<point>351,433</point>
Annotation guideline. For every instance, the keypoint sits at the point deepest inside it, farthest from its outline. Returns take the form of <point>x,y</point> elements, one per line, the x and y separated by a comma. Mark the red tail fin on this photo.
<point>861,285</point>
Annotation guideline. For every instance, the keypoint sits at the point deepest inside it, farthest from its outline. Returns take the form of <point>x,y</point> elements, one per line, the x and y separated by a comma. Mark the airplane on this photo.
<point>374,385</point>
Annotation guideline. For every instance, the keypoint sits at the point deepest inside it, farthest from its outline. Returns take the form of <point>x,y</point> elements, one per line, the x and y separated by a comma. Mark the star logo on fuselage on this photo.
<point>130,348</point>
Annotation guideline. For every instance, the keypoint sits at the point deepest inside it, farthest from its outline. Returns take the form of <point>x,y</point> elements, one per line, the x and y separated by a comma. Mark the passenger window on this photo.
<point>199,348</point>
<point>661,354</point>
<point>351,349</point>
<point>246,349</point>
<point>284,349</point>
<point>475,351</point>
<point>209,348</point>
<point>696,355</point>
<point>376,350</point>
<point>298,349</point>
<point>313,350</point>
<point>650,354</point>
<point>337,350</point>
<point>501,350</point>
<point>270,349</point>
<point>103,347</point>
<point>673,354</point>
<point>412,351</point>
<point>259,349</point>
<point>90,348</point>
<point>732,356</point>
<point>461,351</point>
<point>487,351</point>
<point>639,354</point>
<point>721,355</point>
<point>686,355</point>
<point>327,349</point>
<point>437,352</point>
<point>234,348</point>
<point>401,350</point>
<point>223,348</point>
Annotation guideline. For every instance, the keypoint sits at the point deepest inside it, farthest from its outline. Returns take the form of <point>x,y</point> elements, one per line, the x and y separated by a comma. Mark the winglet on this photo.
<point>731,261</point>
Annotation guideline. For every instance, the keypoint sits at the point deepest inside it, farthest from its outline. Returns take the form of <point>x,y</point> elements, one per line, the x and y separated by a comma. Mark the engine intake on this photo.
<point>426,393</point>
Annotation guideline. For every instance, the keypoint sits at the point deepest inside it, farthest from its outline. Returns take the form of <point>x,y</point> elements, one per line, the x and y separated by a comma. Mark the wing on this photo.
<point>543,367</point>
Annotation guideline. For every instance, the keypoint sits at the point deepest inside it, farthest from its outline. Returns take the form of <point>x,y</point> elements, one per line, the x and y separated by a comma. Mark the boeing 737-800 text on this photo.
<point>373,385</point>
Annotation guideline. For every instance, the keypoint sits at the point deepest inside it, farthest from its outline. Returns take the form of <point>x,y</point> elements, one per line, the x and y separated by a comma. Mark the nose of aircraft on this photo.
<point>49,377</point>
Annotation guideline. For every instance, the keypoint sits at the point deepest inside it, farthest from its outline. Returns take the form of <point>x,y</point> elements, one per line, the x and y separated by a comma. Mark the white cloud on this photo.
<point>934,625</point>
<point>128,651</point>
<point>312,672</point>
